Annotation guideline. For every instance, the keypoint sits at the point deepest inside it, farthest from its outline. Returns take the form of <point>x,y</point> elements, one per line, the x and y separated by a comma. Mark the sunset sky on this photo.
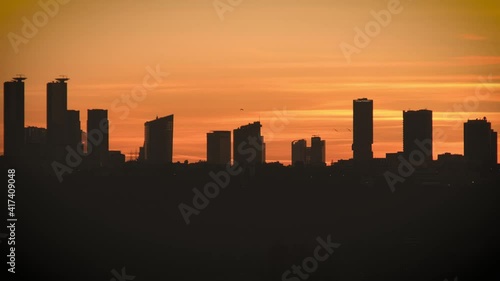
<point>264,57</point>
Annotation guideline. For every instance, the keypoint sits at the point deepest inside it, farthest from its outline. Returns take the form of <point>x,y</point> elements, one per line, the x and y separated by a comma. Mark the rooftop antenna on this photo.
<point>62,78</point>
<point>19,77</point>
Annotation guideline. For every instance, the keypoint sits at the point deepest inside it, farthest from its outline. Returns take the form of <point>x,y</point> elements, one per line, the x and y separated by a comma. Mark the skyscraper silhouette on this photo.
<point>494,147</point>
<point>417,128</point>
<point>480,143</point>
<point>248,145</point>
<point>362,130</point>
<point>13,93</point>
<point>97,137</point>
<point>35,143</point>
<point>159,140</point>
<point>219,147</point>
<point>299,152</point>
<point>317,151</point>
<point>57,106</point>
<point>73,130</point>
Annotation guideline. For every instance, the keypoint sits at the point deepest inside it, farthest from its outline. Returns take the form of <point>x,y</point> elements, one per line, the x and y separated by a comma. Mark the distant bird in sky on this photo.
<point>241,109</point>
<point>335,130</point>
<point>349,130</point>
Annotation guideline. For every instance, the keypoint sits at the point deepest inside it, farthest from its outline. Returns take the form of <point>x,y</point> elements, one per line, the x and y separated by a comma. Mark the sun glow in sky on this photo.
<point>270,58</point>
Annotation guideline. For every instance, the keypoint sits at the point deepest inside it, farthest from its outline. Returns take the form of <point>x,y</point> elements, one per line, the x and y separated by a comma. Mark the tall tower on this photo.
<point>299,152</point>
<point>417,128</point>
<point>73,129</point>
<point>317,151</point>
<point>219,147</point>
<point>362,130</point>
<point>13,97</point>
<point>159,140</point>
<point>480,142</point>
<point>248,145</point>
<point>57,105</point>
<point>97,137</point>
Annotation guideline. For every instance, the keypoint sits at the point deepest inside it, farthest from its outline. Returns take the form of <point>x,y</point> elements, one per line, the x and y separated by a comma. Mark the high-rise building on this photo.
<point>317,151</point>
<point>362,130</point>
<point>159,140</point>
<point>494,147</point>
<point>13,97</point>
<point>116,158</point>
<point>35,140</point>
<point>417,133</point>
<point>57,106</point>
<point>480,142</point>
<point>35,135</point>
<point>248,145</point>
<point>97,137</point>
<point>299,152</point>
<point>73,130</point>
<point>219,147</point>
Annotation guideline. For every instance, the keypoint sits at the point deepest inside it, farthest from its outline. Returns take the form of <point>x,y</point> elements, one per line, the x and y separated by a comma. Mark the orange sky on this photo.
<point>262,56</point>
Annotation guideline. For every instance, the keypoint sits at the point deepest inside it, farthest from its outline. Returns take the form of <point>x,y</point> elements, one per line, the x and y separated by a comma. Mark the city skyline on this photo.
<point>158,145</point>
<point>250,140</point>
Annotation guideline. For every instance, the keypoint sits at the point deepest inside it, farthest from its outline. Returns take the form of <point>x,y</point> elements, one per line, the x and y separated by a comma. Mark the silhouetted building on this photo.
<point>219,147</point>
<point>304,155</point>
<point>97,137</point>
<point>494,147</point>
<point>448,157</point>
<point>13,108</point>
<point>452,168</point>
<point>84,141</point>
<point>417,134</point>
<point>73,130</point>
<point>142,154</point>
<point>317,151</point>
<point>480,143</point>
<point>159,140</point>
<point>57,106</point>
<point>362,130</point>
<point>116,159</point>
<point>299,152</point>
<point>35,135</point>
<point>35,140</point>
<point>248,145</point>
<point>393,160</point>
